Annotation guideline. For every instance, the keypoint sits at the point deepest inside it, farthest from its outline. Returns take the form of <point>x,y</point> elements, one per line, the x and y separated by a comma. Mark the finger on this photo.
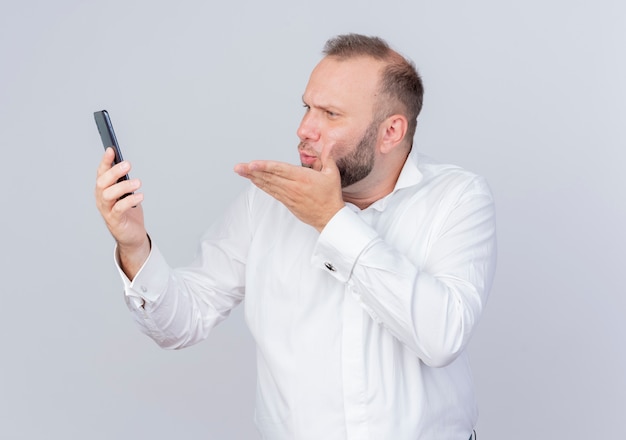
<point>107,161</point>
<point>269,166</point>
<point>112,175</point>
<point>328,162</point>
<point>243,169</point>
<point>115,192</point>
<point>127,203</point>
<point>267,169</point>
<point>273,183</point>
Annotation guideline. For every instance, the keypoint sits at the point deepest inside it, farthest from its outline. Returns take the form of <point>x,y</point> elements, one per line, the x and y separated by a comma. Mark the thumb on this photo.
<point>328,162</point>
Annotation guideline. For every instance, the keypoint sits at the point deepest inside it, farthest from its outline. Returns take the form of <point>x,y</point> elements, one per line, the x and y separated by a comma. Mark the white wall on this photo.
<point>529,94</point>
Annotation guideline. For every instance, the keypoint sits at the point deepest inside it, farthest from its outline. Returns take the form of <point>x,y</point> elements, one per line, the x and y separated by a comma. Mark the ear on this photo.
<point>395,127</point>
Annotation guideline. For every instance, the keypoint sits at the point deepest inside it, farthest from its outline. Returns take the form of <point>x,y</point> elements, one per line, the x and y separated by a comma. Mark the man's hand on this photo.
<point>312,196</point>
<point>123,217</point>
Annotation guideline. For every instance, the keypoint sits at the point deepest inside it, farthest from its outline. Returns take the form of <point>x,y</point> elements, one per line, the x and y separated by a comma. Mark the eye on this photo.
<point>307,107</point>
<point>331,114</point>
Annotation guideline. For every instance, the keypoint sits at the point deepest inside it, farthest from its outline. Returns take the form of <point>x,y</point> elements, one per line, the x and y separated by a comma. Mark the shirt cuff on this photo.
<point>151,279</point>
<point>341,242</point>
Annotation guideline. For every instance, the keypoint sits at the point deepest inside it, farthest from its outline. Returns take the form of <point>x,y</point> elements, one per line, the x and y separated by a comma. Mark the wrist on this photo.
<point>133,256</point>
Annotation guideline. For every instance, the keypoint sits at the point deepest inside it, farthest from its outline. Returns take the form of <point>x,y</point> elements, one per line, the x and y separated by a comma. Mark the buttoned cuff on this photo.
<point>151,279</point>
<point>341,242</point>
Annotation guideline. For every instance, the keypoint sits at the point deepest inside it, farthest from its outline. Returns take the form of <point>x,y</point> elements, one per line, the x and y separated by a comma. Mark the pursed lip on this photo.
<point>307,159</point>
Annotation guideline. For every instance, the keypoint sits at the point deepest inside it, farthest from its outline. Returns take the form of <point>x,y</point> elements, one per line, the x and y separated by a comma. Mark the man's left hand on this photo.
<point>312,196</point>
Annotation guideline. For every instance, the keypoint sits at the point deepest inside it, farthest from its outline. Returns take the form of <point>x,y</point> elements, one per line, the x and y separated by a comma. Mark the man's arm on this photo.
<point>427,290</point>
<point>174,308</point>
<point>123,217</point>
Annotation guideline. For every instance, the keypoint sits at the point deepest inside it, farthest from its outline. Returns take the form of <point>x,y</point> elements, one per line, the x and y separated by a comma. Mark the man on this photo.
<point>364,271</point>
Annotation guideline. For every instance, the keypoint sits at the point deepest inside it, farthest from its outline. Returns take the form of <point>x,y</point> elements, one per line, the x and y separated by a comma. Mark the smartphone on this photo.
<point>107,134</point>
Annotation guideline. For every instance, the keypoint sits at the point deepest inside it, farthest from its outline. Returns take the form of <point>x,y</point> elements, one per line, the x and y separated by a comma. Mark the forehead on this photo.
<point>345,83</point>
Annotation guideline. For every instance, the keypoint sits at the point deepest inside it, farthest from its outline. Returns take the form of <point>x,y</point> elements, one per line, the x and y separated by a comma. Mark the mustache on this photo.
<point>303,147</point>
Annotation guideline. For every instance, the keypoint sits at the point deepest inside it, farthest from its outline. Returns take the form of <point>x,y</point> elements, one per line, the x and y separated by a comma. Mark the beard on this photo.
<point>358,164</point>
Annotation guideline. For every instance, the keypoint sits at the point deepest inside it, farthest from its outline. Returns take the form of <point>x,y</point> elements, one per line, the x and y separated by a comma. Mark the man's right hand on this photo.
<point>123,217</point>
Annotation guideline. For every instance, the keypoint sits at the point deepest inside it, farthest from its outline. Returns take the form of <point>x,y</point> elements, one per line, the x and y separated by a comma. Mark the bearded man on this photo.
<point>364,271</point>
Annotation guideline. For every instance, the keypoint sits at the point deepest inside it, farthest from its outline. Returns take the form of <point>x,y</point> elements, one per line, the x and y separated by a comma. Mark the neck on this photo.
<point>363,200</point>
<point>377,185</point>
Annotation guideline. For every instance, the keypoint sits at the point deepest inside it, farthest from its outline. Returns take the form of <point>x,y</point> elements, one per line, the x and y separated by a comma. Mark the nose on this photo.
<point>309,127</point>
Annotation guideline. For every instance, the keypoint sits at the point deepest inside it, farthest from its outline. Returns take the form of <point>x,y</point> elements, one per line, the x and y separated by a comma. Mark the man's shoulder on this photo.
<point>436,172</point>
<point>431,168</point>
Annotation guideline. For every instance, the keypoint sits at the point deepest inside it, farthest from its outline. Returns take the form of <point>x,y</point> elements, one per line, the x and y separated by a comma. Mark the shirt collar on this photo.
<point>410,175</point>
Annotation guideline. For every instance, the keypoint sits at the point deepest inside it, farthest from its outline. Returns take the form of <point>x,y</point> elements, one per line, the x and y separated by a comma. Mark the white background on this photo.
<point>531,95</point>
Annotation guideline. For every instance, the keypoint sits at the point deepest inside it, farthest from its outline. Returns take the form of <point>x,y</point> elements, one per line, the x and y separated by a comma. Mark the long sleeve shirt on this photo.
<point>361,329</point>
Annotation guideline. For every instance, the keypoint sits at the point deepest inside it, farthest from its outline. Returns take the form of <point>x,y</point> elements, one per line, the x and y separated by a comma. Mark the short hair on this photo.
<point>400,80</point>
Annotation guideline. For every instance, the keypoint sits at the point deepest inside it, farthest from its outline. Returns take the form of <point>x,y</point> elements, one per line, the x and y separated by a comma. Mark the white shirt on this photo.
<point>360,329</point>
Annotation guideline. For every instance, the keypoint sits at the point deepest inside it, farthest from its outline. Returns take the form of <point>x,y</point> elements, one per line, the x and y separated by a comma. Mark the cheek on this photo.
<point>341,143</point>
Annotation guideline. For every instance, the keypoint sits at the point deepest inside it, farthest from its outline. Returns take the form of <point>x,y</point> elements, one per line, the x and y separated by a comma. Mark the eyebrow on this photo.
<point>325,107</point>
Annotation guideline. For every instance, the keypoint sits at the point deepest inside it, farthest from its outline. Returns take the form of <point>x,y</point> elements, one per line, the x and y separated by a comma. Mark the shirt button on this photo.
<point>144,289</point>
<point>330,267</point>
